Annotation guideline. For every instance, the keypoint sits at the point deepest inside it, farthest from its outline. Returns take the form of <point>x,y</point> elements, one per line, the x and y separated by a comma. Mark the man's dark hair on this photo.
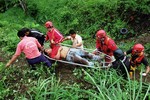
<point>71,32</point>
<point>21,33</point>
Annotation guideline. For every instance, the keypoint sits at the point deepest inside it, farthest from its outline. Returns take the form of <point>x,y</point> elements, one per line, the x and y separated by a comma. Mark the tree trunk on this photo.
<point>23,5</point>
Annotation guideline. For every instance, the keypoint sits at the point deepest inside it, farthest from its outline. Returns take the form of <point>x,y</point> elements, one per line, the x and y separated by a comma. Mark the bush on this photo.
<point>10,23</point>
<point>89,16</point>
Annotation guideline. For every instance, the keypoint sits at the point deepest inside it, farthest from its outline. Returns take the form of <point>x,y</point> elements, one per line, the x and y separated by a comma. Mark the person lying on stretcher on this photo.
<point>72,55</point>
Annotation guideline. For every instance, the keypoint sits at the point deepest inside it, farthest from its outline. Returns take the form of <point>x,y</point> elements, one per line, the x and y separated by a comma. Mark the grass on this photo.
<point>19,82</point>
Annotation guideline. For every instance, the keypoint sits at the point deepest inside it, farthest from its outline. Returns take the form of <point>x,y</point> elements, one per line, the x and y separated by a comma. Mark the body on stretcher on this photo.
<point>96,64</point>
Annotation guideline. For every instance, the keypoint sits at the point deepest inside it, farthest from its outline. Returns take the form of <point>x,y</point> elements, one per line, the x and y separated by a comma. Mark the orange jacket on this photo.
<point>108,47</point>
<point>136,61</point>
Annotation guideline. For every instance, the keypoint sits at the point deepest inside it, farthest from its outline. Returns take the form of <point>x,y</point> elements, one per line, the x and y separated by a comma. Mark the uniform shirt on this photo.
<point>29,46</point>
<point>76,40</point>
<point>54,35</point>
<point>144,60</point>
<point>54,51</point>
<point>108,47</point>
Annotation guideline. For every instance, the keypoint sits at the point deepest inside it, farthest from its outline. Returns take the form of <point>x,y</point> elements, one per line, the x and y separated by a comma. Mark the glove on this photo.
<point>144,74</point>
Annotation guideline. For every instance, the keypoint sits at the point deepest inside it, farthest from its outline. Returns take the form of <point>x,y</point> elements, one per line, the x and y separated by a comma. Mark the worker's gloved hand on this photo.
<point>144,74</point>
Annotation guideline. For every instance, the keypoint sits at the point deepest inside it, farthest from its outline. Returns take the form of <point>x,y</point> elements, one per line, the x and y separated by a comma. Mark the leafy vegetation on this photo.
<point>85,16</point>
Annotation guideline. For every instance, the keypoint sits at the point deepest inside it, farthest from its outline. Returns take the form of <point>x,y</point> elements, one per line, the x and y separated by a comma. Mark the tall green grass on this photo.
<point>113,87</point>
<point>19,82</point>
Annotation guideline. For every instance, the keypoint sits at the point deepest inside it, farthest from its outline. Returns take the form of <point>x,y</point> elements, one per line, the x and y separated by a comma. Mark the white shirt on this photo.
<point>76,40</point>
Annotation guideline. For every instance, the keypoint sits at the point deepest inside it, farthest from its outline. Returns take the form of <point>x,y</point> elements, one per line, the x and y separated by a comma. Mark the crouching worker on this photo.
<point>137,57</point>
<point>29,46</point>
<point>72,55</point>
<point>34,33</point>
<point>121,64</point>
<point>106,45</point>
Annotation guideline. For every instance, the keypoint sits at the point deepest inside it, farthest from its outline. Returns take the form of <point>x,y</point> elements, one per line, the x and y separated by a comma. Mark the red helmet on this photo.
<point>48,24</point>
<point>101,34</point>
<point>138,48</point>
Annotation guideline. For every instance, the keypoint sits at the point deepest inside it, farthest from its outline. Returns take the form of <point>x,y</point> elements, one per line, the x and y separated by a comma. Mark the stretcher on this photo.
<point>102,64</point>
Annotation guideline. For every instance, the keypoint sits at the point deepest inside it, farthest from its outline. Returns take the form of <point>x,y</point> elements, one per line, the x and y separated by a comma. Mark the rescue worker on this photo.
<point>34,33</point>
<point>75,38</point>
<point>53,35</point>
<point>121,63</point>
<point>29,46</point>
<point>106,45</point>
<point>137,57</point>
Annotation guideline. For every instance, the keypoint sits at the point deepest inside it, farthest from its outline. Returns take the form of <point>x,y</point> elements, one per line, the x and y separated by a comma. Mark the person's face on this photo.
<point>100,38</point>
<point>48,51</point>
<point>73,35</point>
<point>20,38</point>
<point>138,53</point>
<point>27,33</point>
<point>49,28</point>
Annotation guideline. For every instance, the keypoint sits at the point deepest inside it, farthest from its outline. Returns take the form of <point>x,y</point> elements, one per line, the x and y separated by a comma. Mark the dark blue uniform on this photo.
<point>38,35</point>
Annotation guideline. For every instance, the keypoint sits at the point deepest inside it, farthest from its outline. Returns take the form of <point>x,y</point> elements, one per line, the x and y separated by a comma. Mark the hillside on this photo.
<point>63,81</point>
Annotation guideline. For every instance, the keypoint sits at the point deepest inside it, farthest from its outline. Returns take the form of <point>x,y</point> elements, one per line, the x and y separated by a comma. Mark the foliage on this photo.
<point>85,16</point>
<point>6,4</point>
<point>115,87</point>
<point>147,48</point>
<point>3,89</point>
<point>9,26</point>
